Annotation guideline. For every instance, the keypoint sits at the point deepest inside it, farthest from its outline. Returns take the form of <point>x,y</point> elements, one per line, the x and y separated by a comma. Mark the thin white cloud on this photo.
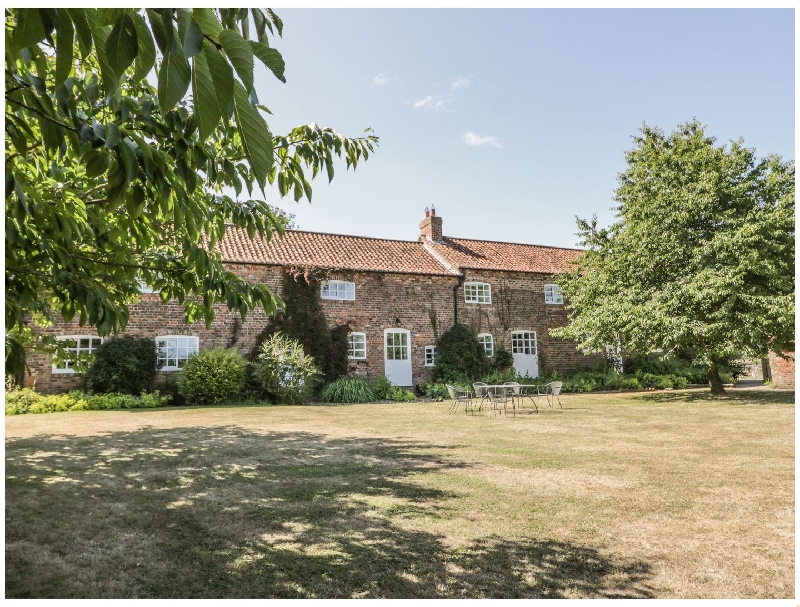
<point>431,102</point>
<point>471,138</point>
<point>381,79</point>
<point>460,83</point>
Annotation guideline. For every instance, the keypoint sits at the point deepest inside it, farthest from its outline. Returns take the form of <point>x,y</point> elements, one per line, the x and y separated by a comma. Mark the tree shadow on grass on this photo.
<point>228,513</point>
<point>732,396</point>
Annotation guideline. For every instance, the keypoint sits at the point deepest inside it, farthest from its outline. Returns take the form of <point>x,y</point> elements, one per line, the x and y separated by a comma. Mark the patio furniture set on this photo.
<point>495,398</point>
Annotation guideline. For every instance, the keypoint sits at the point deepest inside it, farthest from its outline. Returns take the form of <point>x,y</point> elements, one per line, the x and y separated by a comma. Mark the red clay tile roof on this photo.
<point>487,255</point>
<point>333,251</point>
<point>359,253</point>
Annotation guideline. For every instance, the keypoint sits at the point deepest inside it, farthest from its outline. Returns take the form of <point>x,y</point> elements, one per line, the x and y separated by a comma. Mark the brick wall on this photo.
<point>420,303</point>
<point>782,370</point>
<point>518,305</point>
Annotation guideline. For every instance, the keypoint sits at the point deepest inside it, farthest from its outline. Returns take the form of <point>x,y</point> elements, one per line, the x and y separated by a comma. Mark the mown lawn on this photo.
<point>652,495</point>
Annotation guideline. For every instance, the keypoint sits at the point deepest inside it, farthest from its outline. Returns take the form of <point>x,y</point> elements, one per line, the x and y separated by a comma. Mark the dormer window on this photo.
<point>478,292</point>
<point>552,295</point>
<point>338,289</point>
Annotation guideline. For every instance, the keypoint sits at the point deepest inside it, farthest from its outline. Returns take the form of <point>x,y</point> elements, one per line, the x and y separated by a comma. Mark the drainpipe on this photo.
<point>455,298</point>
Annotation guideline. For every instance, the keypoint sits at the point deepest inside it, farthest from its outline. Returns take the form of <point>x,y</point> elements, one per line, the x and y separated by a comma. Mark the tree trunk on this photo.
<point>714,380</point>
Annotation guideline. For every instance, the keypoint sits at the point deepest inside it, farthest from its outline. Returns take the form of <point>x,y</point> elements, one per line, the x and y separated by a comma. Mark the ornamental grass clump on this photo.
<point>348,390</point>
<point>282,372</point>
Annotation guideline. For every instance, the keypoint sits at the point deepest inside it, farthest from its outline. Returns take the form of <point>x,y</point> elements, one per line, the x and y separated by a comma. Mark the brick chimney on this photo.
<point>431,226</point>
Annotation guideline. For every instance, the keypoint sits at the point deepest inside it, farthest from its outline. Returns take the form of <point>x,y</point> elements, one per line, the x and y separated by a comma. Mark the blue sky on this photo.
<point>514,121</point>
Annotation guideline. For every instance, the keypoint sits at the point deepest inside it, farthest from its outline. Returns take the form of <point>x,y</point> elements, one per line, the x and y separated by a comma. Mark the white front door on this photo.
<point>524,352</point>
<point>397,356</point>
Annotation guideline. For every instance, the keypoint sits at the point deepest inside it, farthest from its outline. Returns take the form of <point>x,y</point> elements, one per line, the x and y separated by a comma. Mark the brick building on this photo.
<point>781,370</point>
<point>396,296</point>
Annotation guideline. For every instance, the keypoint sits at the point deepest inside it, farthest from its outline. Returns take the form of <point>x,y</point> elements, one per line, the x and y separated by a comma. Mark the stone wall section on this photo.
<point>423,304</point>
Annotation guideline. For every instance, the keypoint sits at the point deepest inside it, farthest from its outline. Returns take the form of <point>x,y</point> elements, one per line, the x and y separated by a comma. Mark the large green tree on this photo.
<point>700,259</point>
<point>128,131</point>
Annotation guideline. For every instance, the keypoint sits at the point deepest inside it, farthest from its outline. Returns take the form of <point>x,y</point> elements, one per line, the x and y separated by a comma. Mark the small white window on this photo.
<point>338,289</point>
<point>174,350</point>
<point>478,292</point>
<point>552,295</point>
<point>523,342</point>
<point>430,356</point>
<point>79,344</point>
<point>356,346</point>
<point>487,341</point>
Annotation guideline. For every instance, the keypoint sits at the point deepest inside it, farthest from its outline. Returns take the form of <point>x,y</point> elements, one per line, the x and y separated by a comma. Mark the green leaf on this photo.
<point>110,80</point>
<point>163,39</point>
<point>206,18</point>
<point>206,110</point>
<point>270,57</point>
<point>130,161</point>
<point>30,29</point>
<point>255,134</point>
<point>64,47</point>
<point>276,20</point>
<point>240,55</point>
<point>146,57</point>
<point>193,42</point>
<point>122,45</point>
<point>97,162</point>
<point>173,79</point>
<point>83,29</point>
<point>108,16</point>
<point>113,136</point>
<point>222,74</point>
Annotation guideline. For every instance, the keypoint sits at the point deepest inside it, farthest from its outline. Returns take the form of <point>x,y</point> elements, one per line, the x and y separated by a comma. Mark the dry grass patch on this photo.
<point>660,495</point>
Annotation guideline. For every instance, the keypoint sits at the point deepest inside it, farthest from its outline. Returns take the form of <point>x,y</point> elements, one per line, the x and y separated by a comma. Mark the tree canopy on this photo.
<point>700,259</point>
<point>132,137</point>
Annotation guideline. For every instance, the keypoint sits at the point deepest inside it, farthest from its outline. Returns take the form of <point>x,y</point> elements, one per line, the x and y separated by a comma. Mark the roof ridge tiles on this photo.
<point>518,244</point>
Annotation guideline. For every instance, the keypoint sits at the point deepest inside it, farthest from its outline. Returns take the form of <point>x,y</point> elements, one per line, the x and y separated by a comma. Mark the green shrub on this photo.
<point>20,400</point>
<point>459,356</point>
<point>436,391</point>
<point>123,364</point>
<point>348,390</point>
<point>212,376</point>
<point>28,401</point>
<point>382,387</point>
<point>399,394</point>
<point>386,390</point>
<point>282,372</point>
<point>502,361</point>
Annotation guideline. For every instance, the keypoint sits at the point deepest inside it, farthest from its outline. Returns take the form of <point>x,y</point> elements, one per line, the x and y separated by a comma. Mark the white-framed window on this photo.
<point>338,289</point>
<point>552,295</point>
<point>478,292</point>
<point>523,342</point>
<point>174,350</point>
<point>356,346</point>
<point>79,344</point>
<point>430,356</point>
<point>487,341</point>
